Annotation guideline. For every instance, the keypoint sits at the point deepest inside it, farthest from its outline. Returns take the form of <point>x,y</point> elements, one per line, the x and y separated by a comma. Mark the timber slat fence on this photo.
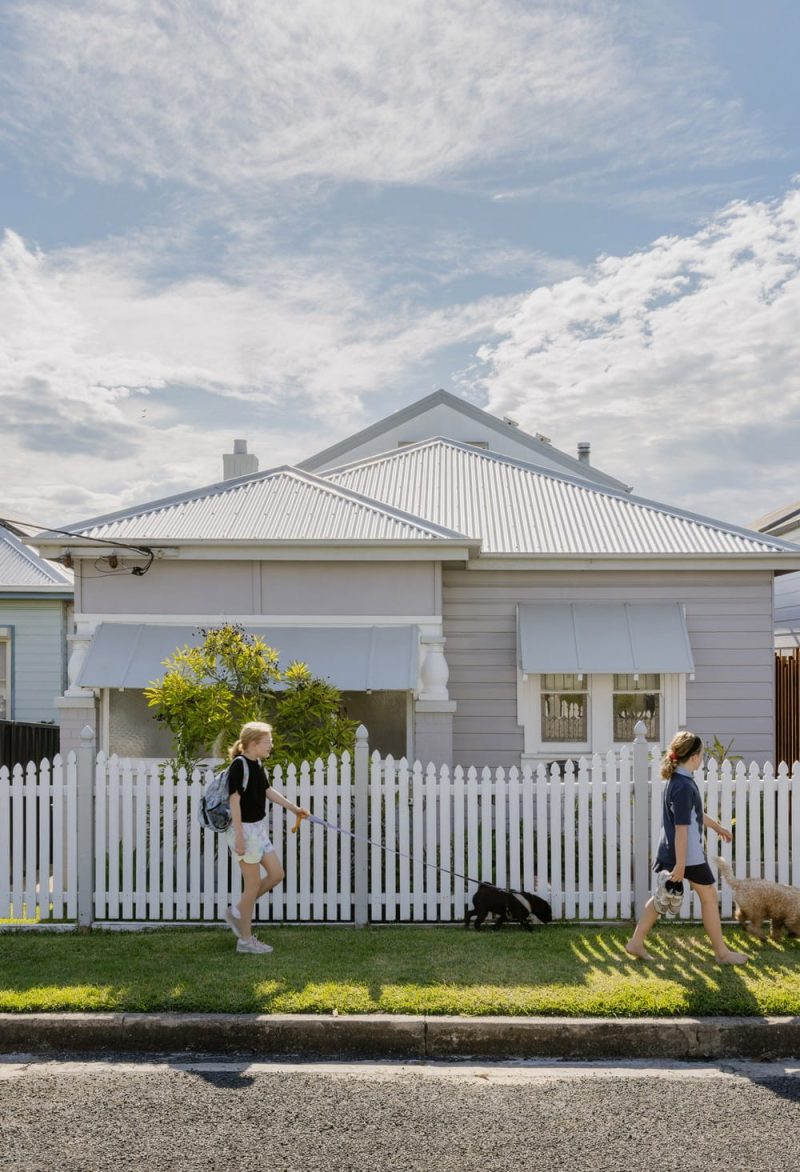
<point>787,705</point>
<point>568,834</point>
<point>22,740</point>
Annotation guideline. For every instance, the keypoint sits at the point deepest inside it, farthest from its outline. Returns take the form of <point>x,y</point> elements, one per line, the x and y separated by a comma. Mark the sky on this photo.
<point>231,219</point>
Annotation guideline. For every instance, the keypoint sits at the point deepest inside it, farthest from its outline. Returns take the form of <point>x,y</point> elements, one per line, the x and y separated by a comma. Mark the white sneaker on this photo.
<point>233,923</point>
<point>675,897</point>
<point>252,945</point>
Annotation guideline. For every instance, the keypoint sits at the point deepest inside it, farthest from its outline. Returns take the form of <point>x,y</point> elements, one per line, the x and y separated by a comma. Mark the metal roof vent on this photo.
<point>584,449</point>
<point>238,462</point>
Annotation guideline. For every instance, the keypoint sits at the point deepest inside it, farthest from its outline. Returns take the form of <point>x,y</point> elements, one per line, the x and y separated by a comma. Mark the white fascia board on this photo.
<point>57,547</point>
<point>431,550</point>
<point>51,591</point>
<point>263,620</point>
<point>779,562</point>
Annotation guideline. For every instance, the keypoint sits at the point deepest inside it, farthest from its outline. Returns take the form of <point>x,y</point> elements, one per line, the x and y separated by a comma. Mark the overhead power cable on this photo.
<point>18,528</point>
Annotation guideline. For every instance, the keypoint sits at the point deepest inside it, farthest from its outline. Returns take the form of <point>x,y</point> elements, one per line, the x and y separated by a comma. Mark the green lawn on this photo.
<point>559,970</point>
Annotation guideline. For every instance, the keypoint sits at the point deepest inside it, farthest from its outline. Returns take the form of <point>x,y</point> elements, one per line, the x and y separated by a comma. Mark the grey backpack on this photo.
<point>215,805</point>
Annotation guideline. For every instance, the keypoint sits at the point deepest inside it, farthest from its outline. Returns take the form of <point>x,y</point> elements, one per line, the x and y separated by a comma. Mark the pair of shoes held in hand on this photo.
<point>667,896</point>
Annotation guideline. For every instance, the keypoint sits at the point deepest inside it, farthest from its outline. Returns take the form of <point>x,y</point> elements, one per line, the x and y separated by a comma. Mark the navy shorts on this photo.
<point>699,873</point>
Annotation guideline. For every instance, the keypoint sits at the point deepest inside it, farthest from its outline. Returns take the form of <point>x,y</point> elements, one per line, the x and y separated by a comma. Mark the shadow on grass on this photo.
<point>684,962</point>
<point>561,970</point>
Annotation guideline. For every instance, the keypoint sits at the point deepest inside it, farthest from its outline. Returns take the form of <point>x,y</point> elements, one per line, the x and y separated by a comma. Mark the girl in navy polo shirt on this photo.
<point>681,850</point>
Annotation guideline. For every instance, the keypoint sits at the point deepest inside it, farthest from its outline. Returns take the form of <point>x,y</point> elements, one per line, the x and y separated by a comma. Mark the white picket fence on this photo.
<point>418,839</point>
<point>39,841</point>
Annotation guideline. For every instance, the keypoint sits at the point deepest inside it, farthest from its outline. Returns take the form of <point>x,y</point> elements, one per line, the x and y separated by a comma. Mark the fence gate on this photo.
<point>787,706</point>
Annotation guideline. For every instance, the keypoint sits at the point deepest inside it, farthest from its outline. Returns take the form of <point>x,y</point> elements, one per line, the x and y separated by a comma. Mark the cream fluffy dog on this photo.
<point>758,900</point>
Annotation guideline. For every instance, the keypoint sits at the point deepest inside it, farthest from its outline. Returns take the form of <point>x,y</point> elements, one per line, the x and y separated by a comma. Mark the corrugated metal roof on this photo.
<point>515,508</point>
<point>21,568</point>
<point>284,504</point>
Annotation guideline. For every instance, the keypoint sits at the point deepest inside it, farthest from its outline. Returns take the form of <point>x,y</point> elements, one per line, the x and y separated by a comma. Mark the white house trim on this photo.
<point>600,723</point>
<point>92,621</point>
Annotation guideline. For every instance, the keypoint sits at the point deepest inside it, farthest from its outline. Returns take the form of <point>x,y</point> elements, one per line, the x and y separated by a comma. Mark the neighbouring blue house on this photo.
<point>36,599</point>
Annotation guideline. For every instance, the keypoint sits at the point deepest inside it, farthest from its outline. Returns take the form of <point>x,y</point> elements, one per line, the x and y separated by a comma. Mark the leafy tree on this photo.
<point>208,692</point>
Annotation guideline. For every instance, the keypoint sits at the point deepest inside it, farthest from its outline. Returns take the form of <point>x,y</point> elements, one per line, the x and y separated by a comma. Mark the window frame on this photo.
<point>600,694</point>
<point>7,686</point>
<point>640,691</point>
<point>559,747</point>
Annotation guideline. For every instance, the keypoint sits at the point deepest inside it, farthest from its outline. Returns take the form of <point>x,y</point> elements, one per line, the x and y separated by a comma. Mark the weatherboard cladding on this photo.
<point>729,620</point>
<point>515,508</point>
<point>277,506</point>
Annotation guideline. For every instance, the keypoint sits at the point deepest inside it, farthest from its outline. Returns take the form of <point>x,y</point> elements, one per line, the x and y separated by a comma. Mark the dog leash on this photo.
<point>393,850</point>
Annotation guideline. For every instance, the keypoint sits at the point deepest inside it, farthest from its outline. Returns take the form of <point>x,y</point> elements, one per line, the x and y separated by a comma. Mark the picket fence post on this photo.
<point>641,818</point>
<point>361,819</point>
<point>85,827</point>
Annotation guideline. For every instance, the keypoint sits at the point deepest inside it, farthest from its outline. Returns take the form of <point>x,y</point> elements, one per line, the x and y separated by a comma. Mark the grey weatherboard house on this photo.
<point>479,596</point>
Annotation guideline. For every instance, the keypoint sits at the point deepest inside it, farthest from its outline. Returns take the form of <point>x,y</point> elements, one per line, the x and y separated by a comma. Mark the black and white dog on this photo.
<point>522,906</point>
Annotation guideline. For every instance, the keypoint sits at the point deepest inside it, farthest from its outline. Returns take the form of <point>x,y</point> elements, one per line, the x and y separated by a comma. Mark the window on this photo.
<point>565,709</point>
<point>635,698</point>
<point>5,674</point>
<point>131,727</point>
<point>574,715</point>
<point>385,717</point>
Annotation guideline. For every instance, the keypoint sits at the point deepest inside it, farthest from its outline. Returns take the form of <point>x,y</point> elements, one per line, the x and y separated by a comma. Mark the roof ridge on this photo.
<point>378,506</point>
<point>713,523</point>
<point>242,483</point>
<point>479,414</point>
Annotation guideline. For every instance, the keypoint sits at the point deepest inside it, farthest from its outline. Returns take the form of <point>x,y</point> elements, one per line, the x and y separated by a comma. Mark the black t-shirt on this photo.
<point>254,798</point>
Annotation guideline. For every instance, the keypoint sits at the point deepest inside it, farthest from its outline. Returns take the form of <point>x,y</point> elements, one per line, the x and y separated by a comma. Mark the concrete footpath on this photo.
<point>384,1036</point>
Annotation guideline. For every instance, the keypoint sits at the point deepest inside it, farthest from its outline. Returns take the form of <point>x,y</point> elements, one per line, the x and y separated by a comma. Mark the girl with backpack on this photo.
<point>247,835</point>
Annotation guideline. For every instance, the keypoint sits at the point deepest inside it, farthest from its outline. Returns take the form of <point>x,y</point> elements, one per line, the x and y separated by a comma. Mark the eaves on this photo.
<point>187,550</point>
<point>782,563</point>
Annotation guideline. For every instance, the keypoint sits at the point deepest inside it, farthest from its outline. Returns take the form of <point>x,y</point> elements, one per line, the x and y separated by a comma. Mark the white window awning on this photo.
<point>355,659</point>
<point>589,638</point>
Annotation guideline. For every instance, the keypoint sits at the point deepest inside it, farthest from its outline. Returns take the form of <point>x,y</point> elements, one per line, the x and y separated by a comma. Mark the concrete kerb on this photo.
<point>398,1037</point>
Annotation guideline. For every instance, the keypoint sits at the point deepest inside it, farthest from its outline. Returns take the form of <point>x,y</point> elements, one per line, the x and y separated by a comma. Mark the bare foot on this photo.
<point>637,950</point>
<point>732,958</point>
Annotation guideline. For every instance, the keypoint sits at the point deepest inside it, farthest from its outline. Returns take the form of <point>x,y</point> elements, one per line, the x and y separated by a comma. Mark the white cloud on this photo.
<point>679,362</point>
<point>242,93</point>
<point>94,351</point>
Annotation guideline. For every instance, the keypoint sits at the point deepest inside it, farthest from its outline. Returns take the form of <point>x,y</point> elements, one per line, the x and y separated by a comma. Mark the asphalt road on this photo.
<point>180,1114</point>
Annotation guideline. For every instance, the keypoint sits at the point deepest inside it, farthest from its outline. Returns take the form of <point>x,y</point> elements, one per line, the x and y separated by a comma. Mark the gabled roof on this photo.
<point>540,451</point>
<point>281,505</point>
<point>516,508</point>
<point>23,570</point>
<point>782,520</point>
